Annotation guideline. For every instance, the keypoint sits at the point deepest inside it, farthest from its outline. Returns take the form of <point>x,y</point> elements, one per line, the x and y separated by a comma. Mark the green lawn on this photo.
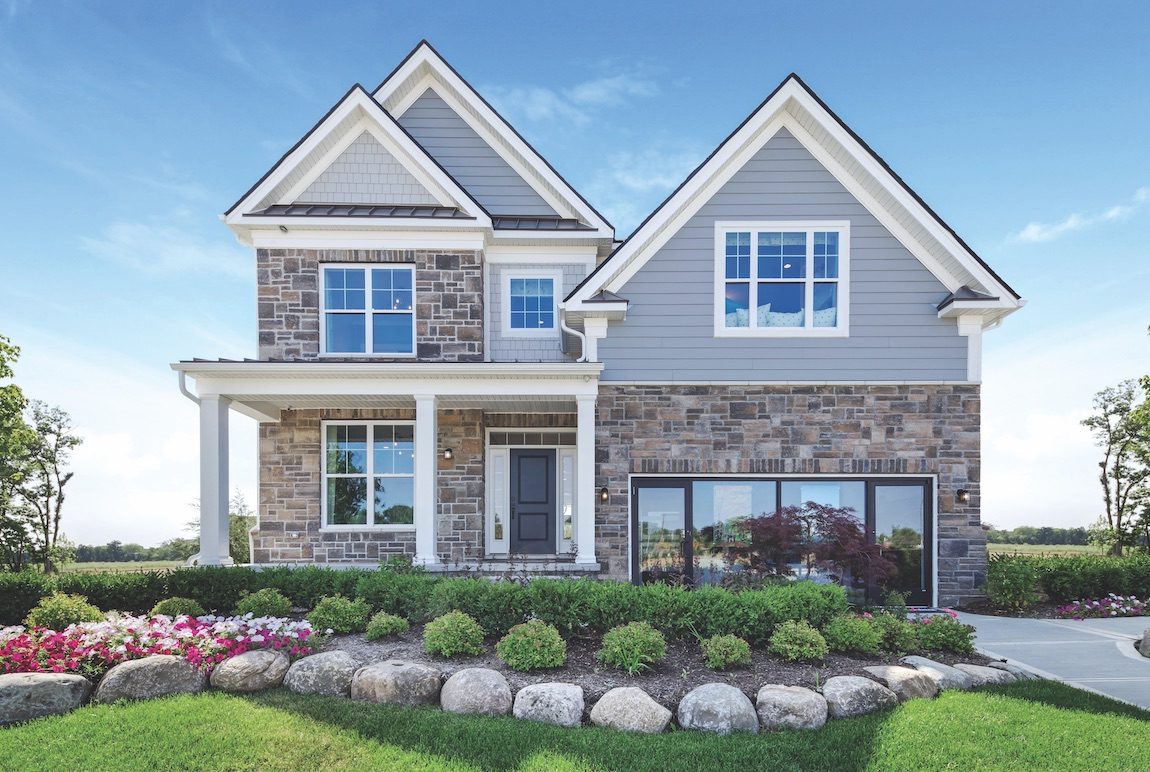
<point>1043,549</point>
<point>1026,726</point>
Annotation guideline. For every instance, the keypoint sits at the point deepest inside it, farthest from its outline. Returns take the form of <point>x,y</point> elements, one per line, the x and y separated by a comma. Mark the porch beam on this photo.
<point>426,447</point>
<point>214,481</point>
<point>585,479</point>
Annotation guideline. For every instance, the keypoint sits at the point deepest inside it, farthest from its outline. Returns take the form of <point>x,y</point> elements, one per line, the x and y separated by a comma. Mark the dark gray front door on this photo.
<point>533,502</point>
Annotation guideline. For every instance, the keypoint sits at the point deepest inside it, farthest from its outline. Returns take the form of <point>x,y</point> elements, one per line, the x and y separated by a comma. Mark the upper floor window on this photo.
<point>368,309</point>
<point>781,278</point>
<point>529,302</point>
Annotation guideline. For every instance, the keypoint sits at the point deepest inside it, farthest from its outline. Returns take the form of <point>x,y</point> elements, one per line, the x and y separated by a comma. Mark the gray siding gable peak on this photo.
<point>366,173</point>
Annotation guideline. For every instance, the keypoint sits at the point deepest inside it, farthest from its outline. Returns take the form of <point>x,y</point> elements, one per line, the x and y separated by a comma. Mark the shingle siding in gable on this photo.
<point>365,173</point>
<point>469,159</point>
<point>510,349</point>
<point>895,334</point>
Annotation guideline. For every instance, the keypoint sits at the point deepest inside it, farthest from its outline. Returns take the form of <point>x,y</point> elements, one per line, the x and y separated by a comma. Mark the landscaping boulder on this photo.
<point>790,707</point>
<point>159,675</point>
<point>553,703</point>
<point>328,673</point>
<point>906,682</point>
<point>476,690</point>
<point>718,708</point>
<point>982,676</point>
<point>1019,673</point>
<point>1143,645</point>
<point>849,696</point>
<point>630,709</point>
<point>252,671</point>
<point>945,676</point>
<point>25,696</point>
<point>396,682</point>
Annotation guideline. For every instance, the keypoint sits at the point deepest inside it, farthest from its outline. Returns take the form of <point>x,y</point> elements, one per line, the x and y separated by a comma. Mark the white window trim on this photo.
<point>369,526</point>
<point>499,490</point>
<point>368,310</point>
<point>841,330</point>
<point>528,273</point>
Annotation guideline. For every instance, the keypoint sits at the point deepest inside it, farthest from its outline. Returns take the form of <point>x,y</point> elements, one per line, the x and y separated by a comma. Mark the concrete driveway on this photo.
<point>1093,654</point>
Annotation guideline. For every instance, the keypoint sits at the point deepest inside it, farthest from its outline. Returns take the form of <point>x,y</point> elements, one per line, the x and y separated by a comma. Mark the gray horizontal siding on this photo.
<point>895,333</point>
<point>506,349</point>
<point>469,159</point>
<point>365,173</point>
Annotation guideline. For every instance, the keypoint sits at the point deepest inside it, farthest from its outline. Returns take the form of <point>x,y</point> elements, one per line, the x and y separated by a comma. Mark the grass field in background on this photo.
<point>1043,549</point>
<point>115,568</point>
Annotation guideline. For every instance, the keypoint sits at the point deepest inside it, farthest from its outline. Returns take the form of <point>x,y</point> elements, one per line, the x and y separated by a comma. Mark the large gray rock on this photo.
<point>252,671</point>
<point>328,673</point>
<point>1020,674</point>
<point>553,703</point>
<point>630,709</point>
<point>476,690</point>
<point>945,676</point>
<point>719,708</point>
<point>906,682</point>
<point>790,707</point>
<point>396,682</point>
<point>145,679</point>
<point>849,696</point>
<point>25,696</point>
<point>1143,645</point>
<point>983,676</point>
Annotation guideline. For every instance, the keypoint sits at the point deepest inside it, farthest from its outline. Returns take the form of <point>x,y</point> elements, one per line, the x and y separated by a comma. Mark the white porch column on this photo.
<point>426,446</point>
<point>585,479</point>
<point>214,481</point>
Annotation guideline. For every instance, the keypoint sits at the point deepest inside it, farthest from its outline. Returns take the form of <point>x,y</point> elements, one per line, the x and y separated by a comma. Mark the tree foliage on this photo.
<point>1121,427</point>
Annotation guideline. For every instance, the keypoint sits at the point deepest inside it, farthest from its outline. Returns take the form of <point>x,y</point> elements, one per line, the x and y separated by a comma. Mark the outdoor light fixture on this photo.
<point>963,496</point>
<point>604,494</point>
<point>448,454</point>
<point>283,229</point>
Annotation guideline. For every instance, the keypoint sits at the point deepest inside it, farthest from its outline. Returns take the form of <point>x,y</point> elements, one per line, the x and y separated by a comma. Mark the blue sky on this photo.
<point>125,128</point>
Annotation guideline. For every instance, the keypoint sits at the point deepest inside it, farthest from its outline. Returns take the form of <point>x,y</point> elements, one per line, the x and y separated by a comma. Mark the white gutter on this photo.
<point>184,388</point>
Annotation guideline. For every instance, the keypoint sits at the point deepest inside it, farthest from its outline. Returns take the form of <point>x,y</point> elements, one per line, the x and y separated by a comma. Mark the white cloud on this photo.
<point>1036,232</point>
<point>632,183</point>
<point>166,248</point>
<point>577,104</point>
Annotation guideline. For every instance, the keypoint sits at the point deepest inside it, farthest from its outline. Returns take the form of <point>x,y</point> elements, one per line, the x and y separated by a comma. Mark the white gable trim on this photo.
<point>780,111</point>
<point>424,68</point>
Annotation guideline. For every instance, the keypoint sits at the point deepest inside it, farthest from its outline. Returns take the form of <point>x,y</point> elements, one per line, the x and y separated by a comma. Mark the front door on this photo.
<point>533,502</point>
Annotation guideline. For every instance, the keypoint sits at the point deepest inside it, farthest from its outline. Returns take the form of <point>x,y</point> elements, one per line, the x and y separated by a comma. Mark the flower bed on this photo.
<point>1099,608</point>
<point>91,648</point>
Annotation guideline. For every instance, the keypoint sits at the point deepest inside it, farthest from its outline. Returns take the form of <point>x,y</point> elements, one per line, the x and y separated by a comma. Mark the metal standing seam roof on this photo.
<point>537,223</point>
<point>361,210</point>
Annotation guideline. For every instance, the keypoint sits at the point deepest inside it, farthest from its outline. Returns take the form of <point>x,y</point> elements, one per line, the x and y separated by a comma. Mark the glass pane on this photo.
<point>347,500</point>
<point>737,303</point>
<point>567,498</point>
<point>343,288</point>
<point>720,514</point>
<point>346,449</point>
<point>830,559</point>
<point>782,255</point>
<point>394,450</point>
<point>781,305</point>
<point>850,494</point>
<point>391,334</point>
<point>391,289</point>
<point>394,501</point>
<point>344,334</point>
<point>899,520</point>
<point>738,256</point>
<point>826,250</point>
<point>662,517</point>
<point>826,304</point>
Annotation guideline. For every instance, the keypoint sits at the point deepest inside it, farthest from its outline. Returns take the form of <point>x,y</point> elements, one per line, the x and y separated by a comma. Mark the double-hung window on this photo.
<point>530,303</point>
<point>369,474</point>
<point>368,309</point>
<point>781,278</point>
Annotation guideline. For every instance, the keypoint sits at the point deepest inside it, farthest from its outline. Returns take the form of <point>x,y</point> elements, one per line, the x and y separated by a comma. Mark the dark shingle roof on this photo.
<point>965,293</point>
<point>361,210</point>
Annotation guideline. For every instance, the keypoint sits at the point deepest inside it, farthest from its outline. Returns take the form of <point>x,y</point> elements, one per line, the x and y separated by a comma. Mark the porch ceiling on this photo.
<point>267,403</point>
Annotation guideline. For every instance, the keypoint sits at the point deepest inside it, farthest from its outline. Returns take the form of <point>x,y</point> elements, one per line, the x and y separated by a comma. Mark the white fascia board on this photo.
<point>496,131</point>
<point>332,238</point>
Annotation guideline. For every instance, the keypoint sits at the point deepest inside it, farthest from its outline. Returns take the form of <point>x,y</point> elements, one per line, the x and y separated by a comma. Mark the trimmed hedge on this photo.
<point>1071,577</point>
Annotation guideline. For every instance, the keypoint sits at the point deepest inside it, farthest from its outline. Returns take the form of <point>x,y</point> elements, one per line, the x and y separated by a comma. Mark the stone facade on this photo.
<point>448,299</point>
<point>811,430</point>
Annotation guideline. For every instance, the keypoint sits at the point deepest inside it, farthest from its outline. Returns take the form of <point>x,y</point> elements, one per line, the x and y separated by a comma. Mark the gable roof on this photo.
<point>357,112</point>
<point>425,68</point>
<point>795,107</point>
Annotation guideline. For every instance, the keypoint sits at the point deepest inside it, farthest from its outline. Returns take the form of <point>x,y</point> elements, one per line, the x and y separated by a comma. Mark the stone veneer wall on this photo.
<point>831,430</point>
<point>448,298</point>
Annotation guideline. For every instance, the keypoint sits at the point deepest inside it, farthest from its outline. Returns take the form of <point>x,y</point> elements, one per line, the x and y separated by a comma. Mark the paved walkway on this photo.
<point>1093,654</point>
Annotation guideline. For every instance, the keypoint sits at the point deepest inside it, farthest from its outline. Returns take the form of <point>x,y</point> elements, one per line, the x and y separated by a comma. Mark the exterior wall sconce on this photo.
<point>963,496</point>
<point>604,494</point>
<point>448,454</point>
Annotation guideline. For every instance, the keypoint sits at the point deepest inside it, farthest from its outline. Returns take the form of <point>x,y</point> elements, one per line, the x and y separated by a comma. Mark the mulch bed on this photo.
<point>668,682</point>
<point>1044,610</point>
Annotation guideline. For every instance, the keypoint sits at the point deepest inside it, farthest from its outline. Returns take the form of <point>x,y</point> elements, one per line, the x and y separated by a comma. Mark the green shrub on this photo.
<point>384,624</point>
<point>499,604</point>
<point>852,633</point>
<point>453,633</point>
<point>134,592</point>
<point>713,611</point>
<point>531,646</point>
<point>59,610</point>
<point>340,615</point>
<point>403,593</point>
<point>305,585</point>
<point>895,604</point>
<point>632,647</point>
<point>174,607</point>
<point>898,635</point>
<point>267,602</point>
<point>562,603</point>
<point>19,594</point>
<point>723,651</point>
<point>795,641</point>
<point>218,588</point>
<point>1011,581</point>
<point>942,633</point>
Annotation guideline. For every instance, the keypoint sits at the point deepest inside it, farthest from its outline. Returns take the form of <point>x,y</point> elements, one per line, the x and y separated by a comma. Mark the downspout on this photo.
<point>570,330</point>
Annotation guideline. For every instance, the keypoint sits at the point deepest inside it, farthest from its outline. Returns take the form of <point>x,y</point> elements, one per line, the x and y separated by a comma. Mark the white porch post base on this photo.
<point>585,479</point>
<point>426,445</point>
<point>214,482</point>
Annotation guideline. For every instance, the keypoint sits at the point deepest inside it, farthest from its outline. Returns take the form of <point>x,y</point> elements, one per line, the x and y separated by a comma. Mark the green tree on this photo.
<point>1121,427</point>
<point>47,474</point>
<point>17,548</point>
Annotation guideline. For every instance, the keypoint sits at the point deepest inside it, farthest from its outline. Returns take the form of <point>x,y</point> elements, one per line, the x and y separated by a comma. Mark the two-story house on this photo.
<point>459,363</point>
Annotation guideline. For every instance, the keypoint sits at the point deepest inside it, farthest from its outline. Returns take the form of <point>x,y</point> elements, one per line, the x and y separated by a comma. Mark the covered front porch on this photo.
<point>477,467</point>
